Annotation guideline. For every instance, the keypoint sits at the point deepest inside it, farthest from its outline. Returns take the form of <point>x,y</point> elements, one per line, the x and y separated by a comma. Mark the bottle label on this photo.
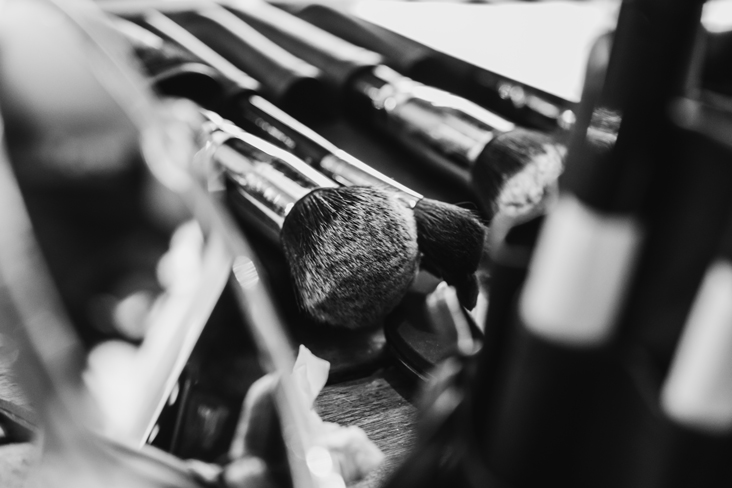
<point>579,274</point>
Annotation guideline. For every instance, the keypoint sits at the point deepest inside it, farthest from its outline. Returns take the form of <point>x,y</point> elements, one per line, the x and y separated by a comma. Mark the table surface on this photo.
<point>383,406</point>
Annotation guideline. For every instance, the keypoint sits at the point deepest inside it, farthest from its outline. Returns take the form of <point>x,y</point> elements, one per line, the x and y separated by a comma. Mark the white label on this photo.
<point>698,389</point>
<point>579,274</point>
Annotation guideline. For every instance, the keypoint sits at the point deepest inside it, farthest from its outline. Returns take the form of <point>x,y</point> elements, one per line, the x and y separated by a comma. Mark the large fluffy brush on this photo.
<point>364,254</point>
<point>403,53</point>
<point>352,251</point>
<point>450,237</point>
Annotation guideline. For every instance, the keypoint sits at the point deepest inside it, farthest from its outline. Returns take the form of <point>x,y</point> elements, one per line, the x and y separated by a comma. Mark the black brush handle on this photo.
<point>285,79</point>
<point>172,55</point>
<point>175,72</point>
<point>339,60</point>
<point>171,68</point>
<point>517,101</point>
<point>166,28</point>
<point>287,132</point>
<point>404,55</point>
<point>233,93</point>
<point>446,131</point>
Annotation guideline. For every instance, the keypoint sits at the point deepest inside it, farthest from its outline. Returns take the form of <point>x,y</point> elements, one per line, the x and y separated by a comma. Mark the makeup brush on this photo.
<point>352,251</point>
<point>295,89</point>
<point>450,237</point>
<point>448,132</point>
<point>509,98</point>
<point>404,55</point>
<point>286,80</point>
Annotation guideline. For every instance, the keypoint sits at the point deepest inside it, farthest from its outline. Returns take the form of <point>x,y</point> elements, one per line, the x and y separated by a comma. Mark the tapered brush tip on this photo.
<point>451,239</point>
<point>352,253</point>
<point>516,171</point>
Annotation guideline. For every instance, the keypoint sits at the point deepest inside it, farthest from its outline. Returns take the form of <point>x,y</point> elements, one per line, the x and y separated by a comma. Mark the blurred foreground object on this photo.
<point>51,359</point>
<point>70,97</point>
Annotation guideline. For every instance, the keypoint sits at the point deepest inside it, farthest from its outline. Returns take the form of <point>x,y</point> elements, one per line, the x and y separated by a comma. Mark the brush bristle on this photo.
<point>467,287</point>
<point>352,253</point>
<point>516,171</point>
<point>451,239</point>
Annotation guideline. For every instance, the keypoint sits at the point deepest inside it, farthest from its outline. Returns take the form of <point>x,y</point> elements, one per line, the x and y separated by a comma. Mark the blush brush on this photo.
<point>352,251</point>
<point>450,237</point>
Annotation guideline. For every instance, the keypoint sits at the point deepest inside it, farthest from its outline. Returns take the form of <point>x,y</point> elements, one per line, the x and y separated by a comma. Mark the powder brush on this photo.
<point>352,251</point>
<point>450,237</point>
<point>454,135</point>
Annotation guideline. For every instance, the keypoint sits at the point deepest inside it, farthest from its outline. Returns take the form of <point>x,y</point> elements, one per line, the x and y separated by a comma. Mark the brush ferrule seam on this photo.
<point>295,164</point>
<point>449,124</point>
<point>261,180</point>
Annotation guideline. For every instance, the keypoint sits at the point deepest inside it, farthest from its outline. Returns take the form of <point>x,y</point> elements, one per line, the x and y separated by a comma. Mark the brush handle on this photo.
<point>448,131</point>
<point>273,63</point>
<point>404,55</point>
<point>517,101</point>
<point>339,60</point>
<point>311,147</point>
<point>173,70</point>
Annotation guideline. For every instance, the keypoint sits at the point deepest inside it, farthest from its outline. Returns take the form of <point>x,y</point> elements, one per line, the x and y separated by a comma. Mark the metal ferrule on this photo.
<point>320,153</point>
<point>270,178</point>
<point>453,126</point>
<point>348,171</point>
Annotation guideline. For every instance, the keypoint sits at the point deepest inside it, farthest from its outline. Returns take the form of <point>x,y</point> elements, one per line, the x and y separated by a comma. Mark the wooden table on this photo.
<point>382,405</point>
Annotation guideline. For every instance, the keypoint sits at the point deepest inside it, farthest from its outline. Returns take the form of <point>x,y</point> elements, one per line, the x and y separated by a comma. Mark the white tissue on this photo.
<point>351,449</point>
